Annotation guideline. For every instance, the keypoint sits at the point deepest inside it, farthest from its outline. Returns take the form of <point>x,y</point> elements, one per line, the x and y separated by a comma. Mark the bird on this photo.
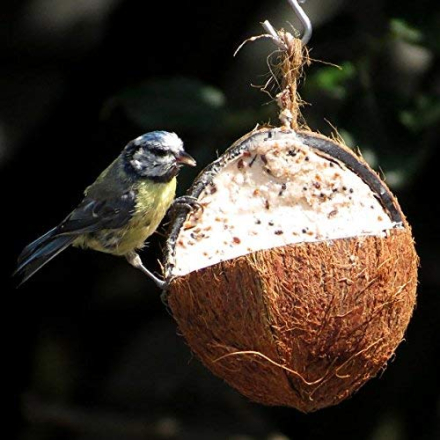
<point>121,209</point>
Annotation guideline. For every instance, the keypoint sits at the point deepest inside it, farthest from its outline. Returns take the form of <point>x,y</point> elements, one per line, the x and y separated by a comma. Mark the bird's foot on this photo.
<point>189,202</point>
<point>135,260</point>
<point>164,294</point>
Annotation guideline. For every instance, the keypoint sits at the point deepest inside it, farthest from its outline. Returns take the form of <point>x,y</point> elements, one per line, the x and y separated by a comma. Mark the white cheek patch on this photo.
<point>136,164</point>
<point>278,193</point>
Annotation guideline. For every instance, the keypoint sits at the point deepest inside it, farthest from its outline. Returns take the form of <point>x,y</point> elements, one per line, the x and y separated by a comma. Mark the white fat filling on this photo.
<point>280,193</point>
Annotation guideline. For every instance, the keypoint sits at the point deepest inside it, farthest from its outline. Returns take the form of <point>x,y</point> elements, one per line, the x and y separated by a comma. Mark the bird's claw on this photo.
<point>189,202</point>
<point>164,294</point>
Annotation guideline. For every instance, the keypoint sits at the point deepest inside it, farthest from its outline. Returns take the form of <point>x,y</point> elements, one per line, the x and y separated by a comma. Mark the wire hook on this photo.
<point>303,18</point>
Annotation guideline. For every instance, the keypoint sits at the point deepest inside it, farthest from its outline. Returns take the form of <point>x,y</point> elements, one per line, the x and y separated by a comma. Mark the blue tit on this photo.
<point>121,209</point>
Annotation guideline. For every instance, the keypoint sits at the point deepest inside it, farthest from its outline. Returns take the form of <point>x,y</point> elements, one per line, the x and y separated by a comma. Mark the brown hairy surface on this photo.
<point>303,325</point>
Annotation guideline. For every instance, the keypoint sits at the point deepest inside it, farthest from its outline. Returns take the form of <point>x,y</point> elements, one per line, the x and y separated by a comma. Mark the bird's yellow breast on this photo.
<point>152,203</point>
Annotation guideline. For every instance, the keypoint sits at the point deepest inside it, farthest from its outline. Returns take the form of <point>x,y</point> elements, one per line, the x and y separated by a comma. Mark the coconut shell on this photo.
<point>303,325</point>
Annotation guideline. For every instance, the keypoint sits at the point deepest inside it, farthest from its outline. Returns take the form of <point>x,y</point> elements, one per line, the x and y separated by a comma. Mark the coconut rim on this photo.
<point>318,142</point>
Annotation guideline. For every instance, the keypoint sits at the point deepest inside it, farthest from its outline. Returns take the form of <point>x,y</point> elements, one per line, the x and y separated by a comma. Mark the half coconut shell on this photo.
<point>304,317</point>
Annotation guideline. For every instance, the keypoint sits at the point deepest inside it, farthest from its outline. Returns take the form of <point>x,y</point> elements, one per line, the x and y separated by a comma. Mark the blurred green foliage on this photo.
<point>401,30</point>
<point>332,80</point>
<point>424,115</point>
<point>185,104</point>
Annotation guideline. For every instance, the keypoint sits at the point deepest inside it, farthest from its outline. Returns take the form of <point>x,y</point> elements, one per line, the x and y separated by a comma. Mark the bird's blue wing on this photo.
<point>94,215</point>
<point>90,216</point>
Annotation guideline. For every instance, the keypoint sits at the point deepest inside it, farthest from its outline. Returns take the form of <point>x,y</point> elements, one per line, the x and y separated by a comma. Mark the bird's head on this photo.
<point>157,155</point>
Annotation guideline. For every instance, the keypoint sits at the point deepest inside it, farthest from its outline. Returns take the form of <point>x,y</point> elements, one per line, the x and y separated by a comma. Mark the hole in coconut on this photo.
<point>277,191</point>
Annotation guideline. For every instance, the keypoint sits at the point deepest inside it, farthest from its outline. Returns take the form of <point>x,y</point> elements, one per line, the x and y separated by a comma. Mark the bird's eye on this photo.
<point>159,151</point>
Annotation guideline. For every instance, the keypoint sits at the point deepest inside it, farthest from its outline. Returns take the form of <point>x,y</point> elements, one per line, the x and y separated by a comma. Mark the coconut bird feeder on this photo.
<point>295,278</point>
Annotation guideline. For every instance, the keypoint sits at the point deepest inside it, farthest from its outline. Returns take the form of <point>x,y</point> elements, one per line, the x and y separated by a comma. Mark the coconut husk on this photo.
<point>304,325</point>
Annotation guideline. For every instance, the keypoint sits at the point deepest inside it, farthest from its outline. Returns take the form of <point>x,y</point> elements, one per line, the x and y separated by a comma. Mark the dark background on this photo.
<point>91,352</point>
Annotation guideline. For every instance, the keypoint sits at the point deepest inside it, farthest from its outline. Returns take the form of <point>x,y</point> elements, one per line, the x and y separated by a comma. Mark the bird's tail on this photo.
<point>37,254</point>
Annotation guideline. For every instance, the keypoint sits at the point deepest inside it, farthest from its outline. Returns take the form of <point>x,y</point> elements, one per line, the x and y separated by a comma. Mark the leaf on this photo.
<point>332,80</point>
<point>181,103</point>
<point>401,30</point>
<point>425,114</point>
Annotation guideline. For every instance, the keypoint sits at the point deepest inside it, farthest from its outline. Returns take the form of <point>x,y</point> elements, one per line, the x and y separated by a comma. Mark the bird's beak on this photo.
<point>185,159</point>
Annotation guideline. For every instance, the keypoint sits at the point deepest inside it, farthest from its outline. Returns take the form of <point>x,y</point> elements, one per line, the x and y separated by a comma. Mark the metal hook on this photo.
<point>303,18</point>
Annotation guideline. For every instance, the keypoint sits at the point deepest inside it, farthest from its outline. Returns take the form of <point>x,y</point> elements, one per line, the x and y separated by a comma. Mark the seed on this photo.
<point>271,223</point>
<point>213,188</point>
<point>292,153</point>
<point>197,237</point>
<point>306,158</point>
<point>332,213</point>
<point>188,225</point>
<point>253,160</point>
<point>351,190</point>
<point>236,240</point>
<point>258,222</point>
<point>267,204</point>
<point>283,188</point>
<point>240,164</point>
<point>278,232</point>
